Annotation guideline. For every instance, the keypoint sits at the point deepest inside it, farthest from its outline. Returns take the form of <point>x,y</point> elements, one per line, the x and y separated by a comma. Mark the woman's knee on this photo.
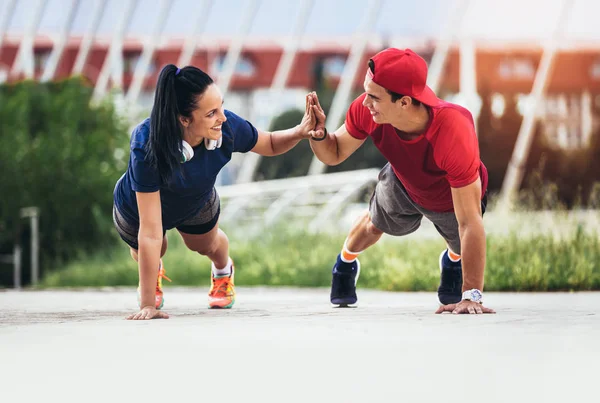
<point>206,244</point>
<point>206,249</point>
<point>164,246</point>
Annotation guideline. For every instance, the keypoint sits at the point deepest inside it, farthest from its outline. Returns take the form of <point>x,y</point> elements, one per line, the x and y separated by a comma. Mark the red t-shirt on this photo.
<point>446,155</point>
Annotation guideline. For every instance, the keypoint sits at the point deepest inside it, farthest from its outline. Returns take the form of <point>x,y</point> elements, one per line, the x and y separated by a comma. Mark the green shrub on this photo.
<point>286,258</point>
<point>62,155</point>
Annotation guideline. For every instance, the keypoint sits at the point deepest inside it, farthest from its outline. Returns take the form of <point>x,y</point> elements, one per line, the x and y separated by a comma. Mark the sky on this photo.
<point>511,20</point>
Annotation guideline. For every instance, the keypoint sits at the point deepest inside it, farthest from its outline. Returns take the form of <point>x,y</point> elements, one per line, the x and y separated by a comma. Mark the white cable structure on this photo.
<point>141,69</point>
<point>113,65</point>
<point>516,165</point>
<point>189,46</point>
<point>235,48</point>
<point>88,38</point>
<point>5,20</point>
<point>443,43</point>
<point>24,62</point>
<point>59,44</point>
<point>251,160</point>
<point>340,101</point>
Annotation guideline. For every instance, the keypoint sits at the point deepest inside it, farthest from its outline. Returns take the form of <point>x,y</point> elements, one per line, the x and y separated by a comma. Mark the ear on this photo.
<point>406,101</point>
<point>185,122</point>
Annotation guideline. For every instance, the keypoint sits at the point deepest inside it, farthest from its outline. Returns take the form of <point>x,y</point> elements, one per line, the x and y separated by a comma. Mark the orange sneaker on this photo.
<point>222,292</point>
<point>159,299</point>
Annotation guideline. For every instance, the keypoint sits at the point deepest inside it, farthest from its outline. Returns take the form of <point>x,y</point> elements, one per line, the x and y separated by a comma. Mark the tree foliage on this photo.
<point>63,156</point>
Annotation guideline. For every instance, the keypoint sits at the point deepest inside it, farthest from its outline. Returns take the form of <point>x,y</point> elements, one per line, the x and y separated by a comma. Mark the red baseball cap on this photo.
<point>403,72</point>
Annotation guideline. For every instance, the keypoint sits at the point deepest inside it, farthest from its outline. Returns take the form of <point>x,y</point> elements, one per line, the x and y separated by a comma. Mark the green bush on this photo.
<point>62,155</point>
<point>284,258</point>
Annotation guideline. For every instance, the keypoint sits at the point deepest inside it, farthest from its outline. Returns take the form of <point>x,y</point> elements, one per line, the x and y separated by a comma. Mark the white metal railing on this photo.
<point>315,200</point>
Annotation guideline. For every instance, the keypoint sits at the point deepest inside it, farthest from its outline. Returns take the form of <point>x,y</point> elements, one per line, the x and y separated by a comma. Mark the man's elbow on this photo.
<point>329,161</point>
<point>332,162</point>
<point>328,158</point>
<point>471,224</point>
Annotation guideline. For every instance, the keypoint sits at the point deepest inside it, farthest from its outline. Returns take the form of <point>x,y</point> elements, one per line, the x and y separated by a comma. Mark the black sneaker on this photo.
<point>343,282</point>
<point>450,289</point>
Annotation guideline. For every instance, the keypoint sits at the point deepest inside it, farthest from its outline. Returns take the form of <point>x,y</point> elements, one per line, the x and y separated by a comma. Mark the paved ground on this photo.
<point>290,345</point>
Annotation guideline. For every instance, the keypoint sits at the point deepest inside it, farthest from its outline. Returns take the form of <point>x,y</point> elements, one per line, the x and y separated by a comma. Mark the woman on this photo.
<point>175,157</point>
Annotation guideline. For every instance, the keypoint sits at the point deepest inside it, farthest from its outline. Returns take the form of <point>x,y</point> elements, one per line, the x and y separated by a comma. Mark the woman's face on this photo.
<point>206,119</point>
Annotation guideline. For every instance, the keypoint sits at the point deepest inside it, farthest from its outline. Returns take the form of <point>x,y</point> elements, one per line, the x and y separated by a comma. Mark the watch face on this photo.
<point>475,295</point>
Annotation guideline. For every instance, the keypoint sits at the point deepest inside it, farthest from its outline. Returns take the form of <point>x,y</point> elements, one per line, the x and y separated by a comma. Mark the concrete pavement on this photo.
<point>290,345</point>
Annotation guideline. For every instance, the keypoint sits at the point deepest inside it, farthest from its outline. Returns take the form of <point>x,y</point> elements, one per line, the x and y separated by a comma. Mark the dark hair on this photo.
<point>395,95</point>
<point>177,93</point>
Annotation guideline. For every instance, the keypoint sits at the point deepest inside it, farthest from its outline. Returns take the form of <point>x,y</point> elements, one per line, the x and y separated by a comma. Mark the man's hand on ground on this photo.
<point>465,306</point>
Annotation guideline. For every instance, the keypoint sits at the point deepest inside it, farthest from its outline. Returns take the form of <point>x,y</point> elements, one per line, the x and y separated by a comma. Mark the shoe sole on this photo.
<point>217,306</point>
<point>440,264</point>
<point>350,304</point>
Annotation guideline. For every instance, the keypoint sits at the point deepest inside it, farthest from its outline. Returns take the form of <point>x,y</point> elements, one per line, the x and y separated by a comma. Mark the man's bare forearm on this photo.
<point>472,239</point>
<point>326,150</point>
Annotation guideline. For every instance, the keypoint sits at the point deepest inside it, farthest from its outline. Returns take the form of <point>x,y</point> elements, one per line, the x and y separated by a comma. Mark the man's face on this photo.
<point>379,102</point>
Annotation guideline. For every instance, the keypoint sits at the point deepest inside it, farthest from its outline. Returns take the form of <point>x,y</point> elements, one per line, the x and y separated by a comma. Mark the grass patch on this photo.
<point>295,258</point>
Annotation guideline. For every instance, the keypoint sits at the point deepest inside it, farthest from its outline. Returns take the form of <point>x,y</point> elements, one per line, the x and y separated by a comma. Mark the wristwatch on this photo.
<point>473,295</point>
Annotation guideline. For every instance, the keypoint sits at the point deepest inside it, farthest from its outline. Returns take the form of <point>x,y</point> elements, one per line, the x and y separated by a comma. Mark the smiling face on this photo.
<point>379,102</point>
<point>207,119</point>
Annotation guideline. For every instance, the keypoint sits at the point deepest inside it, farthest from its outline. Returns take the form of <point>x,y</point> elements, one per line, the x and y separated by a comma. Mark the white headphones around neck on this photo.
<point>187,152</point>
<point>213,144</point>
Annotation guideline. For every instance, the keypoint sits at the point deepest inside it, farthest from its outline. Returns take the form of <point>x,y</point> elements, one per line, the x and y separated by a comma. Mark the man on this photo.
<point>433,170</point>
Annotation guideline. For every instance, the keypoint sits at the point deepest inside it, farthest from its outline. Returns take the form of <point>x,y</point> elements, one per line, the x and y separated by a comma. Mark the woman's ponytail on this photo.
<point>163,149</point>
<point>177,94</point>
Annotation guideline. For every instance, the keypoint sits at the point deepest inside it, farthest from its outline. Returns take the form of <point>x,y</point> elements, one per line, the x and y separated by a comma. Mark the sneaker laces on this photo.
<point>344,283</point>
<point>221,285</point>
<point>161,275</point>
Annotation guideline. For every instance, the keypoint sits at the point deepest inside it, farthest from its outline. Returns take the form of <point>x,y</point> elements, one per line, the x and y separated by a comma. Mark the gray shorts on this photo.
<point>200,223</point>
<point>395,213</point>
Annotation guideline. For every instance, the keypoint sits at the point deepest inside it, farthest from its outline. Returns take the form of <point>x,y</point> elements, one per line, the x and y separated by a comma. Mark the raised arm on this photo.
<point>330,148</point>
<point>281,141</point>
